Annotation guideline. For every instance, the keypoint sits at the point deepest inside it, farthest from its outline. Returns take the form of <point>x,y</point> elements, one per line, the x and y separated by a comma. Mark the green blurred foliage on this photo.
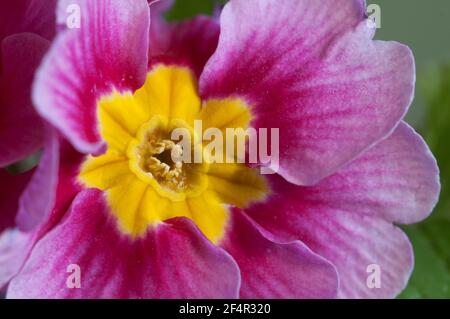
<point>431,276</point>
<point>436,129</point>
<point>431,238</point>
<point>26,164</point>
<point>424,26</point>
<point>188,8</point>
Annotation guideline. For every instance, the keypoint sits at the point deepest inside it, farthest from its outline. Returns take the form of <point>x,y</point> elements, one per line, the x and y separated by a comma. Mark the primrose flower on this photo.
<point>136,222</point>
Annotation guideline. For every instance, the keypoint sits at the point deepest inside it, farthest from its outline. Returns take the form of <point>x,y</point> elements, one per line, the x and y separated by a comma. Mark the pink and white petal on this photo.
<point>347,218</point>
<point>34,16</point>
<point>39,202</point>
<point>68,187</point>
<point>311,69</point>
<point>352,241</point>
<point>271,269</point>
<point>172,261</point>
<point>11,188</point>
<point>398,180</point>
<point>38,198</point>
<point>107,52</point>
<point>14,247</point>
<point>189,43</point>
<point>53,185</point>
<point>21,129</point>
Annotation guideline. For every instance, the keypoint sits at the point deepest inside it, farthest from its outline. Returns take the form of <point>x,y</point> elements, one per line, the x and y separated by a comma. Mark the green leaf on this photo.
<point>185,9</point>
<point>26,164</point>
<point>431,276</point>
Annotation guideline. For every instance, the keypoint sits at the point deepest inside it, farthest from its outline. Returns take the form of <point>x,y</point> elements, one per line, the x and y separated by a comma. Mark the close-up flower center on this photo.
<point>151,174</point>
<point>162,159</point>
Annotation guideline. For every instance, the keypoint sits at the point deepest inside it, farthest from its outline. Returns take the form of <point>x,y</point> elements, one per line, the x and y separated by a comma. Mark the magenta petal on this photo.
<point>352,241</point>
<point>397,180</point>
<point>52,187</point>
<point>11,188</point>
<point>42,205</point>
<point>271,269</point>
<point>347,218</point>
<point>159,30</point>
<point>174,260</point>
<point>109,51</point>
<point>21,129</point>
<point>311,69</point>
<point>39,196</point>
<point>160,7</point>
<point>34,16</point>
<point>190,43</point>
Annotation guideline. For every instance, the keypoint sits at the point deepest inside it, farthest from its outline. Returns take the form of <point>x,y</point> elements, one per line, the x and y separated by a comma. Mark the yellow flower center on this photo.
<point>143,173</point>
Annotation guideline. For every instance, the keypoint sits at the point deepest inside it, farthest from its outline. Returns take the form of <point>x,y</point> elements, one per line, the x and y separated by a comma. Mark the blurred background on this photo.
<point>425,27</point>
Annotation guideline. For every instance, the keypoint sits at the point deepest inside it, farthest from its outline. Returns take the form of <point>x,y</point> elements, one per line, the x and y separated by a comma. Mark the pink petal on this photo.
<point>397,180</point>
<point>159,8</point>
<point>172,260</point>
<point>39,196</point>
<point>159,30</point>
<point>271,269</point>
<point>53,185</point>
<point>21,129</point>
<point>108,51</point>
<point>14,246</point>
<point>189,43</point>
<point>347,218</point>
<point>11,188</point>
<point>34,16</point>
<point>311,69</point>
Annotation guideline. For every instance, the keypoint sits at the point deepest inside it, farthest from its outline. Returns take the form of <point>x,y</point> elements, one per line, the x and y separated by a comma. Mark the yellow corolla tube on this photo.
<point>143,183</point>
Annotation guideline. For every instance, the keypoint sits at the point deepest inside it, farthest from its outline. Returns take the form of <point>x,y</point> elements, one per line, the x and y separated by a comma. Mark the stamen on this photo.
<point>163,160</point>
